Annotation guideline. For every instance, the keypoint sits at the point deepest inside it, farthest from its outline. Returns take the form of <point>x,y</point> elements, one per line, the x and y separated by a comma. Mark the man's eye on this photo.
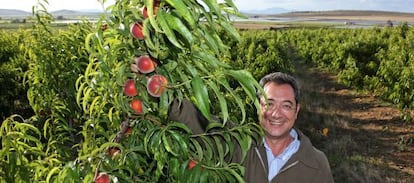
<point>287,107</point>
<point>271,106</point>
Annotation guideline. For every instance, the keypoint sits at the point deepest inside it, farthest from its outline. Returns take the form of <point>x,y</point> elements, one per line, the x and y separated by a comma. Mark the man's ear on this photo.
<point>297,109</point>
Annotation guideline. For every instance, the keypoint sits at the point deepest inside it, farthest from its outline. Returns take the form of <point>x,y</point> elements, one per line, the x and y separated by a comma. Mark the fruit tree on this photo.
<point>142,55</point>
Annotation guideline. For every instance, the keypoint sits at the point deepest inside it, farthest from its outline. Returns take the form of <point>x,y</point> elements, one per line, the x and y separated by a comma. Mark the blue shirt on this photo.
<point>276,163</point>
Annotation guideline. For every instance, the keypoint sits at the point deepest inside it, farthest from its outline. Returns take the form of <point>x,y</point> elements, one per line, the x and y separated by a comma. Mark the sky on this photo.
<point>242,5</point>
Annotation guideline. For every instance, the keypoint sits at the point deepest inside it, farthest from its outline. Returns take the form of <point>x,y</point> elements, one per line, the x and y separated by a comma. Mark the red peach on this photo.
<point>145,64</point>
<point>136,106</point>
<point>156,84</point>
<point>145,11</point>
<point>192,164</point>
<point>102,177</point>
<point>136,31</point>
<point>130,88</point>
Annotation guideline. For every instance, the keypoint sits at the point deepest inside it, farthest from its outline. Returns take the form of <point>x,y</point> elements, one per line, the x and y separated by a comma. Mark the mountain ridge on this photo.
<point>265,12</point>
<point>68,12</point>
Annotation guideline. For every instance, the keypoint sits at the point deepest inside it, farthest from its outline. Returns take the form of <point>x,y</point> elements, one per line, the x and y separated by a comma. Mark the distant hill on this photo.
<point>267,11</point>
<point>70,13</point>
<point>13,13</point>
<point>345,13</point>
<point>283,13</point>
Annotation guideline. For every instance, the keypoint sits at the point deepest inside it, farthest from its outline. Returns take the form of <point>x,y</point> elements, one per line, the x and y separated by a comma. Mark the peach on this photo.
<point>145,11</point>
<point>156,84</point>
<point>128,131</point>
<point>145,64</point>
<point>113,151</point>
<point>136,106</point>
<point>192,164</point>
<point>104,27</point>
<point>136,31</point>
<point>102,177</point>
<point>130,88</point>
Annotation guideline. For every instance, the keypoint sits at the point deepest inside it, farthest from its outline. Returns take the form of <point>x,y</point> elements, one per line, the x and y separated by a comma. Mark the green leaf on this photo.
<point>183,11</point>
<point>174,166</point>
<point>176,24</point>
<point>167,144</point>
<point>219,148</point>
<point>165,25</point>
<point>211,43</point>
<point>248,83</point>
<point>79,90</point>
<point>213,125</point>
<point>237,99</point>
<point>221,99</point>
<point>182,142</point>
<point>87,95</point>
<point>202,67</point>
<point>29,126</point>
<point>51,172</point>
<point>179,126</point>
<point>236,175</point>
<point>230,29</point>
<point>208,149</point>
<point>148,34</point>
<point>94,102</point>
<point>189,67</point>
<point>208,58</point>
<point>204,176</point>
<point>163,105</point>
<point>152,20</point>
<point>110,114</point>
<point>184,79</point>
<point>150,140</point>
<point>198,148</point>
<point>244,142</point>
<point>201,95</point>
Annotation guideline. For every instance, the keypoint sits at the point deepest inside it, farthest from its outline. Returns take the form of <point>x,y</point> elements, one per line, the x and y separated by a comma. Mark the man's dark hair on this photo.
<point>281,78</point>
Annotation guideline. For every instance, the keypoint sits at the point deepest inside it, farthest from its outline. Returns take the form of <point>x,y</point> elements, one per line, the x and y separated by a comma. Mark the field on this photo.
<point>365,138</point>
<point>343,19</point>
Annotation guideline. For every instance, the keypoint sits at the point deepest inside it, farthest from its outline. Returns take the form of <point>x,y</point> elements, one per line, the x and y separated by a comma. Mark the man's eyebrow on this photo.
<point>288,101</point>
<point>283,101</point>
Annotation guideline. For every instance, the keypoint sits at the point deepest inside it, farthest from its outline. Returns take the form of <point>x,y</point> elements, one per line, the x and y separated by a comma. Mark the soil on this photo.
<point>363,18</point>
<point>367,127</point>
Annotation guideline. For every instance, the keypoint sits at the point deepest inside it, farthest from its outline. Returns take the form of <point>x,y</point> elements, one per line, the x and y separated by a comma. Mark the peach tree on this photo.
<point>140,56</point>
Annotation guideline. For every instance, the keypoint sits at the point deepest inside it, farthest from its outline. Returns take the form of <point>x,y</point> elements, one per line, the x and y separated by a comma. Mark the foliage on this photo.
<point>261,52</point>
<point>55,60</point>
<point>380,60</point>
<point>12,93</point>
<point>76,79</point>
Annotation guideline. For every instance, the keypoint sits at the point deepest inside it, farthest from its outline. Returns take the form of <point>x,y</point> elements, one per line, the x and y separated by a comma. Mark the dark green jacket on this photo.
<point>308,165</point>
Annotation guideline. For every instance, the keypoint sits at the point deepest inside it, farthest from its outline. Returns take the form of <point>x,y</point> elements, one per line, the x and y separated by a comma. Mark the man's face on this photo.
<point>279,115</point>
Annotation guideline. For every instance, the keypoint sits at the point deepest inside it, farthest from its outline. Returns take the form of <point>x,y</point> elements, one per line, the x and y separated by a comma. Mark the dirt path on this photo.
<point>366,140</point>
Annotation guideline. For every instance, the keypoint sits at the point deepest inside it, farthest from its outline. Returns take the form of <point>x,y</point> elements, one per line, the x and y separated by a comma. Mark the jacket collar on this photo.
<point>305,151</point>
<point>302,155</point>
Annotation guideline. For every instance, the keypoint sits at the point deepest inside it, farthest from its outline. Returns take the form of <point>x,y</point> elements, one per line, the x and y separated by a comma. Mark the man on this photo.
<point>286,154</point>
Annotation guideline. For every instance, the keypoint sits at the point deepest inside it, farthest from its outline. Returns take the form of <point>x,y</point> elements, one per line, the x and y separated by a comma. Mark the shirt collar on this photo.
<point>292,133</point>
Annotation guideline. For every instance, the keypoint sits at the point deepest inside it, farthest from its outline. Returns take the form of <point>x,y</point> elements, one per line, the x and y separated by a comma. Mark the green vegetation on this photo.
<point>12,67</point>
<point>67,89</point>
<point>378,60</point>
<point>84,123</point>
